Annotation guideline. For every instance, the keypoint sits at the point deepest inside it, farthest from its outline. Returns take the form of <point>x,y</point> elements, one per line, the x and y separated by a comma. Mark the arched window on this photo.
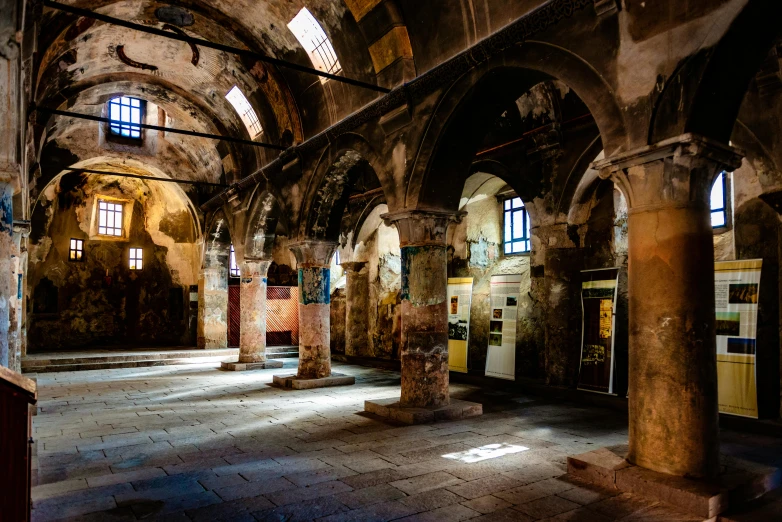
<point>124,112</point>
<point>719,215</point>
<point>311,36</point>
<point>245,111</point>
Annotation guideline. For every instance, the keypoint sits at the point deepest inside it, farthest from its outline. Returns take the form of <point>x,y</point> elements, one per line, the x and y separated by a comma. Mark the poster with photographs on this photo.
<point>459,300</point>
<point>504,301</point>
<point>736,292</point>
<point>598,304</point>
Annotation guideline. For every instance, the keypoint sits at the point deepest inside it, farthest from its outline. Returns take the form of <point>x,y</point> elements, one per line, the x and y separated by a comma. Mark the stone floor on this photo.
<point>194,443</point>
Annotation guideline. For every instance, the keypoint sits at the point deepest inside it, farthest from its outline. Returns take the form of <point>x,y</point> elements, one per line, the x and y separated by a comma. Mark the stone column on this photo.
<point>252,335</point>
<point>7,284</point>
<point>18,269</point>
<point>11,143</point>
<point>673,369</point>
<point>357,309</point>
<point>424,351</point>
<point>314,260</point>
<point>213,308</point>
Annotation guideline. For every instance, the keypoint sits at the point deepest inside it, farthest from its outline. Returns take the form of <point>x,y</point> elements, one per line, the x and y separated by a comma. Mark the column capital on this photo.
<point>313,252</point>
<point>353,266</point>
<point>422,227</point>
<point>677,172</point>
<point>252,267</point>
<point>680,147</point>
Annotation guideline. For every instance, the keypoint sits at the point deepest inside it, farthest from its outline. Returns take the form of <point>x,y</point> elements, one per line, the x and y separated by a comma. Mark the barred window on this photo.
<point>516,236</point>
<point>123,113</point>
<point>109,218</point>
<point>311,36</point>
<point>245,111</point>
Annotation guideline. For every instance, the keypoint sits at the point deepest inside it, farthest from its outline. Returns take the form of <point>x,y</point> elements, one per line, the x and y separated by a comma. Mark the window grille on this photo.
<point>136,259</point>
<point>123,113</point>
<point>76,250</point>
<point>516,236</point>
<point>109,218</point>
<point>245,111</point>
<point>311,36</point>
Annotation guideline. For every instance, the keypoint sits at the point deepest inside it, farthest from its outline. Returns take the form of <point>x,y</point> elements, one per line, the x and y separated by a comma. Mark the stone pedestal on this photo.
<point>213,308</point>
<point>424,351</point>
<point>357,308</point>
<point>296,383</point>
<point>736,482</point>
<point>252,339</point>
<point>392,409</point>
<point>673,370</point>
<point>314,259</point>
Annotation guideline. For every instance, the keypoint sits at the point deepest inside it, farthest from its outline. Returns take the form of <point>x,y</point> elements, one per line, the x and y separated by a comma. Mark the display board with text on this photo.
<point>598,302</point>
<point>504,303</point>
<point>736,293</point>
<point>459,301</point>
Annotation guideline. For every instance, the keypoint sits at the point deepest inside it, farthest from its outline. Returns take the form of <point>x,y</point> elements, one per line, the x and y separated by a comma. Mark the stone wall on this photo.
<point>100,301</point>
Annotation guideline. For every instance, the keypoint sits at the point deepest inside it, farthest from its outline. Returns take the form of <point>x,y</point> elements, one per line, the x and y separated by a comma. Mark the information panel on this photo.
<point>459,299</point>
<point>598,303</point>
<point>736,292</point>
<point>504,299</point>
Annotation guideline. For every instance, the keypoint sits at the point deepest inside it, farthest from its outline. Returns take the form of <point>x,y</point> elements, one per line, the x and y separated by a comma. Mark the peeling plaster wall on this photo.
<point>282,271</point>
<point>385,280</point>
<point>75,304</point>
<point>475,248</point>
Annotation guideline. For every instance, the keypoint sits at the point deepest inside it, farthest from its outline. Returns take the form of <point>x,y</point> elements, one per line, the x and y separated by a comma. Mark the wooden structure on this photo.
<point>17,393</point>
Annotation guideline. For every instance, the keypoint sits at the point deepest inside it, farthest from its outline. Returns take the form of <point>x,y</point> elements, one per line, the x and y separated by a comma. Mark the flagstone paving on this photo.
<point>193,443</point>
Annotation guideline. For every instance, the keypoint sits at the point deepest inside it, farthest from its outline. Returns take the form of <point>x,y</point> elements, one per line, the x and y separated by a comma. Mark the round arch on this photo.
<point>342,166</point>
<point>476,98</point>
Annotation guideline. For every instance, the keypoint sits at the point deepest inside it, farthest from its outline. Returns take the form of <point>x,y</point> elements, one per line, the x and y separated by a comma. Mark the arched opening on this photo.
<point>112,262</point>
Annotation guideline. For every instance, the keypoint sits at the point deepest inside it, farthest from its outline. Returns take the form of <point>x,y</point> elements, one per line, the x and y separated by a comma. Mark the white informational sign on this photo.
<point>736,293</point>
<point>504,301</point>
<point>459,300</point>
<point>598,306</point>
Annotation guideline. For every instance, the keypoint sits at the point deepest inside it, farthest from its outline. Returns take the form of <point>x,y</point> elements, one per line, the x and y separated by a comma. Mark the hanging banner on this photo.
<point>504,300</point>
<point>598,305</point>
<point>736,292</point>
<point>459,300</point>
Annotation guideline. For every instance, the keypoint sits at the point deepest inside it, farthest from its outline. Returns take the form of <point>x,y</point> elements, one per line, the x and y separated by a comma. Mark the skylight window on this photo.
<point>245,111</point>
<point>123,113</point>
<point>311,36</point>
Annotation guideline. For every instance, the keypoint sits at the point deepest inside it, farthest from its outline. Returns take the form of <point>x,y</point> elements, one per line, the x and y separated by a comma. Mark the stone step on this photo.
<point>740,482</point>
<point>78,361</point>
<point>282,352</point>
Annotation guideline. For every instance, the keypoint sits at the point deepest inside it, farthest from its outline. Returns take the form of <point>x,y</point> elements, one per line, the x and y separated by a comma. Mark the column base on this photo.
<point>242,367</point>
<point>390,408</point>
<point>739,482</point>
<point>296,383</point>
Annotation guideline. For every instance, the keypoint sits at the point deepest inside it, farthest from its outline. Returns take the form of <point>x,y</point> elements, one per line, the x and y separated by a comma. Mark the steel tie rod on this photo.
<point>206,43</point>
